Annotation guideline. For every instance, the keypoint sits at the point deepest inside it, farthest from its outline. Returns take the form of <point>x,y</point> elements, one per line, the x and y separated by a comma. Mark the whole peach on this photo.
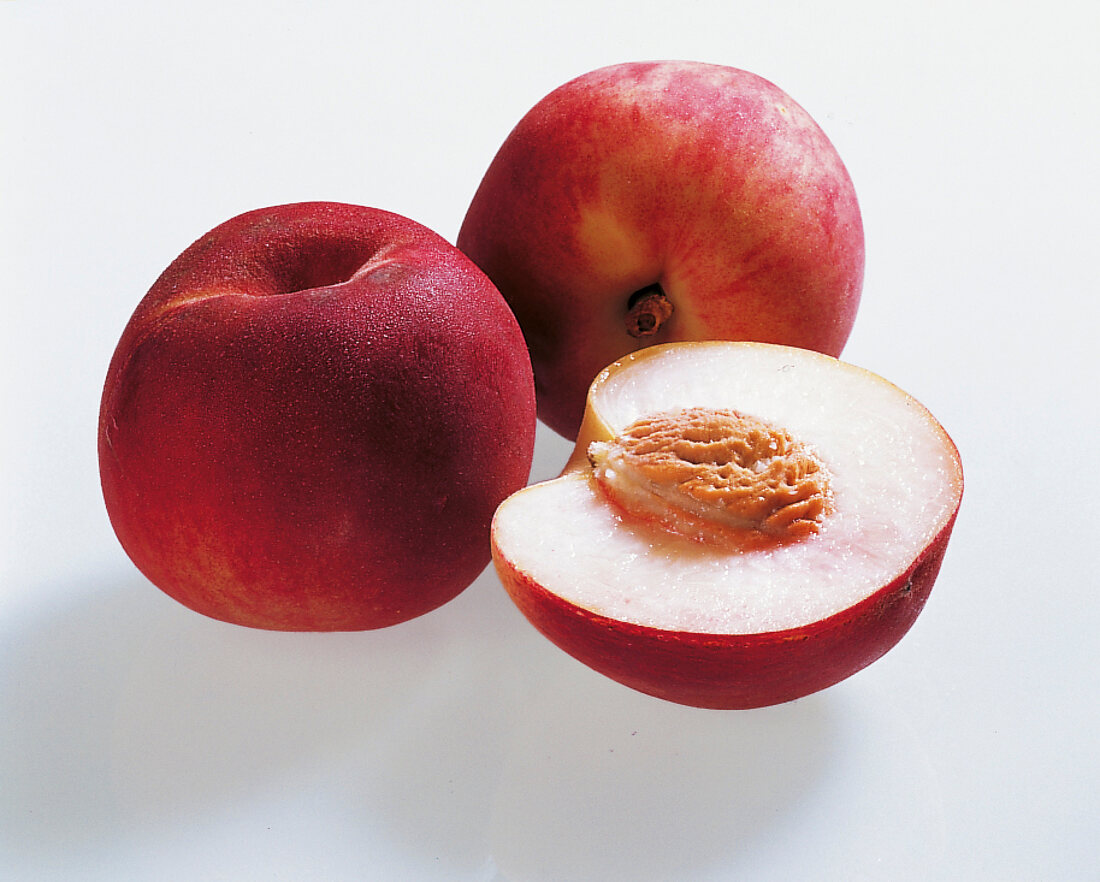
<point>310,418</point>
<point>658,202</point>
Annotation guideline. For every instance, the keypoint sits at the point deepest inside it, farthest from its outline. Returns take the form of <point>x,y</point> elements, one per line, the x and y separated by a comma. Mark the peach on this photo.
<point>657,202</point>
<point>741,524</point>
<point>310,418</point>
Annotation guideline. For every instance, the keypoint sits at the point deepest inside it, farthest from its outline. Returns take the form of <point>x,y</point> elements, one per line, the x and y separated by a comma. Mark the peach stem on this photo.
<point>648,309</point>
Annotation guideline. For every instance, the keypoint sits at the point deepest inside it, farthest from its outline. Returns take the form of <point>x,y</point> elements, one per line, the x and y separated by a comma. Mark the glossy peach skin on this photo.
<point>310,419</point>
<point>708,181</point>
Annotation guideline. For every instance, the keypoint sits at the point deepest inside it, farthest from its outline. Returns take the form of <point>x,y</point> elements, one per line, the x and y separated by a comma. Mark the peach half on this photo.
<point>740,524</point>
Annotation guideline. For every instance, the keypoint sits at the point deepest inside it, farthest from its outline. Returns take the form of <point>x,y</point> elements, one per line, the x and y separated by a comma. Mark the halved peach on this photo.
<point>740,524</point>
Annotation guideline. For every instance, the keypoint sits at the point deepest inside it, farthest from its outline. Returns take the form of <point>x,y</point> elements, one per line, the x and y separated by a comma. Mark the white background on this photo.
<point>141,741</point>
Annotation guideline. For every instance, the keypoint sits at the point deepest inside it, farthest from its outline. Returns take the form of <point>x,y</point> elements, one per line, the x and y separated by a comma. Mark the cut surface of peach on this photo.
<point>733,490</point>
